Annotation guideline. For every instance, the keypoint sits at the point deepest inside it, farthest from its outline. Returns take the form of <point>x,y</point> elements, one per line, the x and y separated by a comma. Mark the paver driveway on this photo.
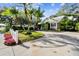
<point>53,43</point>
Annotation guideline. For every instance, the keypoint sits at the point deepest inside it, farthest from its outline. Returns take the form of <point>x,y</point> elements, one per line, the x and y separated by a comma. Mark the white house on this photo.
<point>55,20</point>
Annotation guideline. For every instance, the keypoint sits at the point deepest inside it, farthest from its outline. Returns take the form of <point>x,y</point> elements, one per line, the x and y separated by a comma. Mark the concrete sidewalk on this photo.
<point>18,50</point>
<point>14,50</point>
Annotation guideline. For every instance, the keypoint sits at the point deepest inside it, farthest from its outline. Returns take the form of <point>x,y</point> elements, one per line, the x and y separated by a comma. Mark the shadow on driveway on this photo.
<point>24,46</point>
<point>73,40</point>
<point>67,40</point>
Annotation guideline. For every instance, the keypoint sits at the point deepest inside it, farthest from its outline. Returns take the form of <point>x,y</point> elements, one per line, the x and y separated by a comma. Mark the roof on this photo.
<point>58,19</point>
<point>2,24</point>
<point>53,20</point>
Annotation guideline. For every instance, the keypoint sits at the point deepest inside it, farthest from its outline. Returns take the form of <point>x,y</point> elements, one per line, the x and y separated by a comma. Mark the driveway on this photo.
<point>52,44</point>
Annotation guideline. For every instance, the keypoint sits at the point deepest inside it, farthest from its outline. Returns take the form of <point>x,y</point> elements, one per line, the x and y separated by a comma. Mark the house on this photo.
<point>53,21</point>
<point>2,27</point>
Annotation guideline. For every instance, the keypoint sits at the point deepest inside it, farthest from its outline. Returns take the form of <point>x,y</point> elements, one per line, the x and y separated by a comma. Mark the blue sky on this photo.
<point>49,8</point>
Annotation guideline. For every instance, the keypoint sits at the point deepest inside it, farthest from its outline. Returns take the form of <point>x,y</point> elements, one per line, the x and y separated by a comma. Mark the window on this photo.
<point>53,24</point>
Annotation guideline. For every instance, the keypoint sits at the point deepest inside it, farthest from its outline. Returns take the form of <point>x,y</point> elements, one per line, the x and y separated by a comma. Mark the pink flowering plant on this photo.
<point>9,39</point>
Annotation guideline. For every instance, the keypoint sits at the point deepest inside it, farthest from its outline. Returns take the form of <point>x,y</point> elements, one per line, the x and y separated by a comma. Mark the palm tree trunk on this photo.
<point>29,25</point>
<point>25,11</point>
<point>28,16</point>
<point>36,25</point>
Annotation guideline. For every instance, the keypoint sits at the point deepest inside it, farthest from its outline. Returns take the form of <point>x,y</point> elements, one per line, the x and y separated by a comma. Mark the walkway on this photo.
<point>53,43</point>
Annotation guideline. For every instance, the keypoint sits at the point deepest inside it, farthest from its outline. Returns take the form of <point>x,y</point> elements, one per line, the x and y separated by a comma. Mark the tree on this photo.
<point>29,13</point>
<point>10,13</point>
<point>66,24</point>
<point>14,13</point>
<point>38,14</point>
<point>6,12</point>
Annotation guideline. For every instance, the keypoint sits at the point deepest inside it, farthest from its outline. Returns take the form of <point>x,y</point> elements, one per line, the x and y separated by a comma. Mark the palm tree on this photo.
<point>11,12</point>
<point>38,14</point>
<point>29,13</point>
<point>14,12</point>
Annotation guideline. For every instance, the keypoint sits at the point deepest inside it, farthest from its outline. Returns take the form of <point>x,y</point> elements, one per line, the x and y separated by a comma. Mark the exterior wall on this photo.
<point>53,26</point>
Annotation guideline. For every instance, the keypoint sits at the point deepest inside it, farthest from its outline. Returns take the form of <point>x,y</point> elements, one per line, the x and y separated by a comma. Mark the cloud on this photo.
<point>36,5</point>
<point>50,12</point>
<point>40,4</point>
<point>62,4</point>
<point>53,4</point>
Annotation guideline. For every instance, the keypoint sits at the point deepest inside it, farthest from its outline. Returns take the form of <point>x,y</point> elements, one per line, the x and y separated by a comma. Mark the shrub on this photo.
<point>22,28</point>
<point>31,28</point>
<point>28,32</point>
<point>77,26</point>
<point>45,26</point>
<point>58,30</point>
<point>22,37</point>
<point>66,24</point>
<point>8,26</point>
<point>8,39</point>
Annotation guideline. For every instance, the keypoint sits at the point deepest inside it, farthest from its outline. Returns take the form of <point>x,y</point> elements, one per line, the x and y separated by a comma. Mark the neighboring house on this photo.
<point>55,20</point>
<point>2,27</point>
<point>54,24</point>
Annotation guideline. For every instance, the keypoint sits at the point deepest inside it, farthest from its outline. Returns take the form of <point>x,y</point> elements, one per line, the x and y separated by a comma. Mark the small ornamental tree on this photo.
<point>66,24</point>
<point>77,26</point>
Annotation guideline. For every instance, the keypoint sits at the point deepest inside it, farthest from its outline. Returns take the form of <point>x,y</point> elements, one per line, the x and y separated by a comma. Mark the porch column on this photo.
<point>56,26</point>
<point>50,25</point>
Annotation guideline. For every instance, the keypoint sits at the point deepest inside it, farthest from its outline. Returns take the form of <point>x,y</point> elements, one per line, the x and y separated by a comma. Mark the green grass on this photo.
<point>37,34</point>
<point>25,37</point>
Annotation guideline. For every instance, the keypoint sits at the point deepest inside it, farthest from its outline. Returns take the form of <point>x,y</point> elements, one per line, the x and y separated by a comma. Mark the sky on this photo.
<point>49,8</point>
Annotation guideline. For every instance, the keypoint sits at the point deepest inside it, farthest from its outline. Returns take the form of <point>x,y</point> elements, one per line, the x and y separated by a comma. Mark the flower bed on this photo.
<point>23,37</point>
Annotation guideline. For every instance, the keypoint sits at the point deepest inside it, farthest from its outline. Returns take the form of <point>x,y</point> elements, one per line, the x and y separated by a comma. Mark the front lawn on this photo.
<point>25,37</point>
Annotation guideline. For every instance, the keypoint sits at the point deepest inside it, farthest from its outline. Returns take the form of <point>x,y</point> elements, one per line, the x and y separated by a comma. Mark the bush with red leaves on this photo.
<point>9,40</point>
